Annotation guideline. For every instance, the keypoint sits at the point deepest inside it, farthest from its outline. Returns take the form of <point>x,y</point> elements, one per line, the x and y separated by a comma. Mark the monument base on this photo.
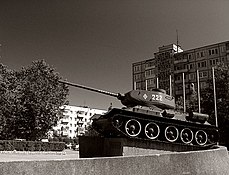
<point>108,147</point>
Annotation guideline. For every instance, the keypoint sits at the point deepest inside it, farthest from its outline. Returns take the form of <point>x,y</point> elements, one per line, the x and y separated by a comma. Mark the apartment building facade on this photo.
<point>144,74</point>
<point>201,59</point>
<point>170,62</point>
<point>75,119</point>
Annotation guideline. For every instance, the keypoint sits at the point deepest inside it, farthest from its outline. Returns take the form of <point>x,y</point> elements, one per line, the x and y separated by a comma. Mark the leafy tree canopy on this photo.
<point>29,101</point>
<point>222,96</point>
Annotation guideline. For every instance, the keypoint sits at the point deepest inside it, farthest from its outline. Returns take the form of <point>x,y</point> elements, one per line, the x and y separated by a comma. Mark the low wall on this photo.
<point>205,162</point>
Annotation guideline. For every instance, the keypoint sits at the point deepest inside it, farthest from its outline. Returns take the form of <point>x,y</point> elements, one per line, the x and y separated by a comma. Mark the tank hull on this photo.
<point>150,125</point>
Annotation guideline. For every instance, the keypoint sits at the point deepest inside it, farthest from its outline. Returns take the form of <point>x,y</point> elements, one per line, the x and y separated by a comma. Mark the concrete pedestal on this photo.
<point>108,147</point>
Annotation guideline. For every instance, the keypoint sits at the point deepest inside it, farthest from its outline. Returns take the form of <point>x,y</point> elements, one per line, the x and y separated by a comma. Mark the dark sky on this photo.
<point>95,42</point>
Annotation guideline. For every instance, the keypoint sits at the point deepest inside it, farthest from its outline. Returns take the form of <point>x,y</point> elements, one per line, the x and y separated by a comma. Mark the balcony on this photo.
<point>64,133</point>
<point>150,76</point>
<point>80,122</point>
<point>181,81</point>
<point>64,120</point>
<point>150,67</point>
<point>80,116</point>
<point>180,71</point>
<point>181,61</point>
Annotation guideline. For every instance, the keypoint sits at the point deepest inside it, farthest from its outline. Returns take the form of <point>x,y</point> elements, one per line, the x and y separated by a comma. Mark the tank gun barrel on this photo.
<point>117,95</point>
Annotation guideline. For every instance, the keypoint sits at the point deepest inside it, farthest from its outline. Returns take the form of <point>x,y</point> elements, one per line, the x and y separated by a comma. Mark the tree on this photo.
<point>222,91</point>
<point>7,100</point>
<point>191,105</point>
<point>190,102</point>
<point>179,104</point>
<point>30,101</point>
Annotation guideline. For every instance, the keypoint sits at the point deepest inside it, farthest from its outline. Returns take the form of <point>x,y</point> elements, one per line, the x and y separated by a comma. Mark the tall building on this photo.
<point>172,61</point>
<point>164,65</point>
<point>154,72</point>
<point>75,119</point>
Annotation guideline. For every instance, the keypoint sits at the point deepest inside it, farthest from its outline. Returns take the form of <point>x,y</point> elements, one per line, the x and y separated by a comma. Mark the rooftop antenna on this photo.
<point>177,40</point>
<point>0,50</point>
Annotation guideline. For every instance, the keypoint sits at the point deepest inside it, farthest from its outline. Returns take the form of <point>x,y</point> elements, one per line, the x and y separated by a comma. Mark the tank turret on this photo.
<point>151,115</point>
<point>156,98</point>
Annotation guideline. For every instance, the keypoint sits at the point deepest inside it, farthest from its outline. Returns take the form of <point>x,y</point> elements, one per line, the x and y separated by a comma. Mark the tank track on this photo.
<point>123,123</point>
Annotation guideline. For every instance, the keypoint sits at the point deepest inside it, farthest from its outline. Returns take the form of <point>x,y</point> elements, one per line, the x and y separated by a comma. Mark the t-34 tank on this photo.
<point>151,115</point>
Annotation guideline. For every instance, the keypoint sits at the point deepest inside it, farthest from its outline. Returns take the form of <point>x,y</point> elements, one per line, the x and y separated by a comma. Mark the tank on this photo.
<point>151,115</point>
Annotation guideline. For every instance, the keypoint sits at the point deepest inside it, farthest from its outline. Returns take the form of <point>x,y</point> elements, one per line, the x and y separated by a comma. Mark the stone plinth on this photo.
<point>108,147</point>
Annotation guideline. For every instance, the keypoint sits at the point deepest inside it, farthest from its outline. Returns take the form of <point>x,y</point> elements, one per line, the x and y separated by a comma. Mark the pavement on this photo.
<point>9,156</point>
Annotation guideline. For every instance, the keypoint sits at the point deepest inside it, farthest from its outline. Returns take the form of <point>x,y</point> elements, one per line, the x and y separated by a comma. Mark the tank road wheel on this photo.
<point>152,130</point>
<point>171,133</point>
<point>212,138</point>
<point>133,127</point>
<point>117,122</point>
<point>186,135</point>
<point>201,137</point>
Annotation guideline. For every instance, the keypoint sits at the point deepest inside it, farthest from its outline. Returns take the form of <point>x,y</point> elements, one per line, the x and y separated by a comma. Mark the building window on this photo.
<point>151,82</point>
<point>137,68</point>
<point>150,64</point>
<point>191,66</point>
<point>203,74</point>
<point>213,51</point>
<point>178,77</point>
<point>80,112</point>
<point>203,85</point>
<point>227,46</point>
<point>214,61</point>
<point>137,77</point>
<point>138,85</point>
<point>149,72</point>
<point>202,54</point>
<point>192,76</point>
<point>203,64</point>
<point>222,49</point>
